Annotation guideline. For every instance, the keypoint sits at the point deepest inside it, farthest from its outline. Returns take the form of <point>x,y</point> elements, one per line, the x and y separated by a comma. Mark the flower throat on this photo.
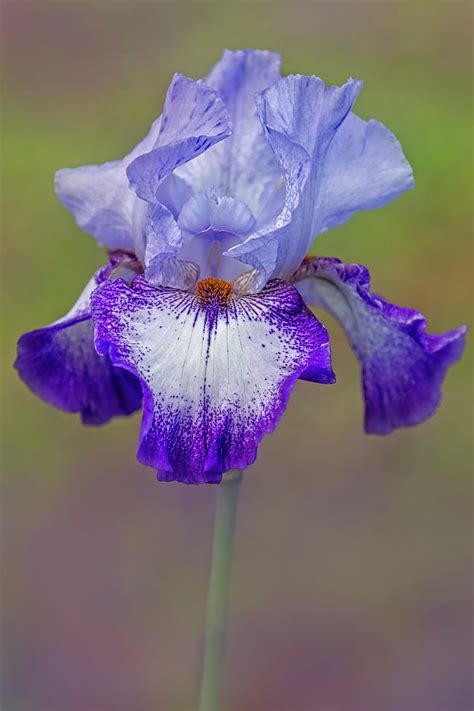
<point>214,292</point>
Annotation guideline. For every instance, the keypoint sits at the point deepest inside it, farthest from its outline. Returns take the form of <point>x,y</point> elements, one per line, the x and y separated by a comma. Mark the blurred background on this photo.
<point>352,583</point>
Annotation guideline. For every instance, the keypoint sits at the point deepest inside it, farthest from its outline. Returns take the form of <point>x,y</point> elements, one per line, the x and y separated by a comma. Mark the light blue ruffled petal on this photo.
<point>219,213</point>
<point>365,169</point>
<point>194,118</point>
<point>244,166</point>
<point>300,117</point>
<point>100,198</point>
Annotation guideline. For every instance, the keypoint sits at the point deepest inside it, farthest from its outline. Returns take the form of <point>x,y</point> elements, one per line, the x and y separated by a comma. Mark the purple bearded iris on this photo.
<point>203,306</point>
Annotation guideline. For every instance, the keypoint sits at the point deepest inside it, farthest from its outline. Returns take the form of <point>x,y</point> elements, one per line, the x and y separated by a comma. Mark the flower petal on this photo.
<point>403,367</point>
<point>194,118</point>
<point>216,375</point>
<point>300,117</point>
<point>173,193</point>
<point>219,213</point>
<point>177,273</point>
<point>162,239</point>
<point>60,364</point>
<point>365,169</point>
<point>244,165</point>
<point>100,198</point>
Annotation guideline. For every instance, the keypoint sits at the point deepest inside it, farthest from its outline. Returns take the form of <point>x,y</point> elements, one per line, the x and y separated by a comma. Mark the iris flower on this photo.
<point>202,310</point>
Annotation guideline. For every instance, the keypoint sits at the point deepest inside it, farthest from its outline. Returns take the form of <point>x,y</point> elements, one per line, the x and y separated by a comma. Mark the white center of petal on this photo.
<point>216,370</point>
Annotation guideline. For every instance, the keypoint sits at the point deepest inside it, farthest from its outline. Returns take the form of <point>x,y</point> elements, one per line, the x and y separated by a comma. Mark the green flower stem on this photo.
<point>219,588</point>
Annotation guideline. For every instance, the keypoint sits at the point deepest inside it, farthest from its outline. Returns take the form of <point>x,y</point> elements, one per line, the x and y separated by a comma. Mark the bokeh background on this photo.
<point>352,581</point>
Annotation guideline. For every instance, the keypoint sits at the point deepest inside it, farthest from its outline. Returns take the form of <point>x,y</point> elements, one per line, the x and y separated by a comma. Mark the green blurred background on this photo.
<point>352,582</point>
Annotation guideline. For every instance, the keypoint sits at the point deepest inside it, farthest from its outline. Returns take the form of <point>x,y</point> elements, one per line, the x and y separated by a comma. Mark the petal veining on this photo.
<point>300,116</point>
<point>194,118</point>
<point>244,165</point>
<point>99,196</point>
<point>216,372</point>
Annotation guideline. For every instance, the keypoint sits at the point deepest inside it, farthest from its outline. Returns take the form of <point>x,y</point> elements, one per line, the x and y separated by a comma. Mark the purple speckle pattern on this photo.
<point>215,378</point>
<point>60,364</point>
<point>403,367</point>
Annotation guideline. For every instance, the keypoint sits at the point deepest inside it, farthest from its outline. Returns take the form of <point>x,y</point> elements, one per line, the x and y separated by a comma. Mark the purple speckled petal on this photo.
<point>403,367</point>
<point>216,377</point>
<point>194,119</point>
<point>60,364</point>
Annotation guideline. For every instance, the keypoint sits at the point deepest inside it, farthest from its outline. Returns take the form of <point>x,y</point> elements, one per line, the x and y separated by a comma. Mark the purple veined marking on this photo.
<point>216,370</point>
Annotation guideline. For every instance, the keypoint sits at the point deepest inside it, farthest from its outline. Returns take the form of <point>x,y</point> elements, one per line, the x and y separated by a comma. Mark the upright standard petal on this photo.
<point>244,165</point>
<point>60,364</point>
<point>194,118</point>
<point>300,116</point>
<point>100,198</point>
<point>216,370</point>
<point>403,367</point>
<point>365,169</point>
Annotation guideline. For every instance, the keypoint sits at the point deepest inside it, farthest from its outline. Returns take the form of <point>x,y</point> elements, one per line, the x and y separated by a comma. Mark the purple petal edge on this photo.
<point>403,367</point>
<point>216,379</point>
<point>60,364</point>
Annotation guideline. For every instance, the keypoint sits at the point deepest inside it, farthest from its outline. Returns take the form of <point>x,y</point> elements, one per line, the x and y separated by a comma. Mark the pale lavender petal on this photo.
<point>219,213</point>
<point>403,367</point>
<point>216,371</point>
<point>244,165</point>
<point>173,192</point>
<point>207,226</point>
<point>162,239</point>
<point>365,169</point>
<point>195,216</point>
<point>100,198</point>
<point>194,118</point>
<point>162,232</point>
<point>300,116</point>
<point>60,364</point>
